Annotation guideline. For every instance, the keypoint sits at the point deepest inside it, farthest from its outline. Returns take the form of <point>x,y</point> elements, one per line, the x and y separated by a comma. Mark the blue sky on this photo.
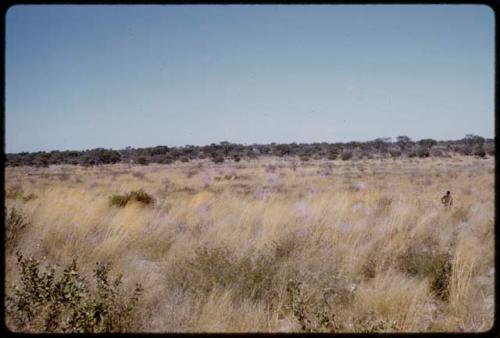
<point>81,77</point>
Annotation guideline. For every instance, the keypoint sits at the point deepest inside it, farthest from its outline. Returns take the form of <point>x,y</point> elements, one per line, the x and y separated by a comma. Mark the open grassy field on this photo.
<point>275,244</point>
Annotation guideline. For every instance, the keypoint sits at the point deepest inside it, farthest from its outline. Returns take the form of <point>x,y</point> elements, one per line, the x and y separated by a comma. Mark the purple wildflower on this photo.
<point>304,209</point>
<point>324,172</point>
<point>313,190</point>
<point>272,178</point>
<point>263,194</point>
<point>180,227</point>
<point>202,209</point>
<point>233,172</point>
<point>207,179</point>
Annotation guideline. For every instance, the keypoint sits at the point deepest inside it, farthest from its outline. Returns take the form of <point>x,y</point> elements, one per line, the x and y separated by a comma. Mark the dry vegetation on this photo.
<point>273,244</point>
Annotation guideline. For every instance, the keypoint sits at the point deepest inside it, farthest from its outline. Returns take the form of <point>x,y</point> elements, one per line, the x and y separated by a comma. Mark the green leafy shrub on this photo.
<point>135,195</point>
<point>15,224</point>
<point>368,323</point>
<point>310,318</point>
<point>69,304</point>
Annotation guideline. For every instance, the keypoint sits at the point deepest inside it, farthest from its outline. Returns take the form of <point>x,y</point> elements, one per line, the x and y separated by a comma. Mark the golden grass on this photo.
<point>354,226</point>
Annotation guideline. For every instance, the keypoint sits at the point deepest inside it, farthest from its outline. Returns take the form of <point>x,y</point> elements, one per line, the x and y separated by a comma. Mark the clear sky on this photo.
<point>81,77</point>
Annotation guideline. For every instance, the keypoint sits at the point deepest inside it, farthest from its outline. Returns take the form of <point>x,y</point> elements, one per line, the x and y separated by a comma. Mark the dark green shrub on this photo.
<point>423,152</point>
<point>217,159</point>
<point>332,155</point>
<point>69,304</point>
<point>119,200</point>
<point>479,151</point>
<point>142,161</point>
<point>346,155</point>
<point>141,196</point>
<point>395,153</point>
<point>136,195</point>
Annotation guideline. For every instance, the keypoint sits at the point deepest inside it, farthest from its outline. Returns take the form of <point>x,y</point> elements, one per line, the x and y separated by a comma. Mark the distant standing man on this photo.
<point>447,200</point>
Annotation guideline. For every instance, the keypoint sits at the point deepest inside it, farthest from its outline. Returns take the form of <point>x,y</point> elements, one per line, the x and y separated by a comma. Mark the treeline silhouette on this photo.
<point>401,146</point>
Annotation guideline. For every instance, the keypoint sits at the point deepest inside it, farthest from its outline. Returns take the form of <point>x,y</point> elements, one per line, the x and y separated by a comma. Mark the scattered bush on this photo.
<point>217,159</point>
<point>346,155</point>
<point>136,195</point>
<point>43,304</point>
<point>218,153</point>
<point>479,152</point>
<point>423,152</point>
<point>142,161</point>
<point>395,153</point>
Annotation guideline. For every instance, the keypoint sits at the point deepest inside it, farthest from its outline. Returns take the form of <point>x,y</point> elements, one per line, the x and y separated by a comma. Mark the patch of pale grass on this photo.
<point>395,298</point>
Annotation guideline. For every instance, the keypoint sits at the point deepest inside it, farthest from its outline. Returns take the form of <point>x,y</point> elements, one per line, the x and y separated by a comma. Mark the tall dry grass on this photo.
<point>368,240</point>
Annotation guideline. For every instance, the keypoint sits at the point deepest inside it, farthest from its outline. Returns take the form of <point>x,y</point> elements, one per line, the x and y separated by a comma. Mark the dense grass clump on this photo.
<point>15,225</point>
<point>42,303</point>
<point>216,268</point>
<point>135,195</point>
<point>434,266</point>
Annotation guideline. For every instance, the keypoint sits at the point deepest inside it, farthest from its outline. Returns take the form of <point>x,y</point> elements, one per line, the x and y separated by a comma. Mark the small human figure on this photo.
<point>447,200</point>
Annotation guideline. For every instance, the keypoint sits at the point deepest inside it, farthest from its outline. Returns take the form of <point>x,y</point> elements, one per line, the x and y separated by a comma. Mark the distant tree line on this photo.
<point>402,146</point>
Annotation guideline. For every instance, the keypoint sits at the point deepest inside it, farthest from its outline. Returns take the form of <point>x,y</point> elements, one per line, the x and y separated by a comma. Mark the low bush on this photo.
<point>135,195</point>
<point>217,159</point>
<point>142,161</point>
<point>395,153</point>
<point>479,152</point>
<point>346,155</point>
<point>310,318</point>
<point>69,304</point>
